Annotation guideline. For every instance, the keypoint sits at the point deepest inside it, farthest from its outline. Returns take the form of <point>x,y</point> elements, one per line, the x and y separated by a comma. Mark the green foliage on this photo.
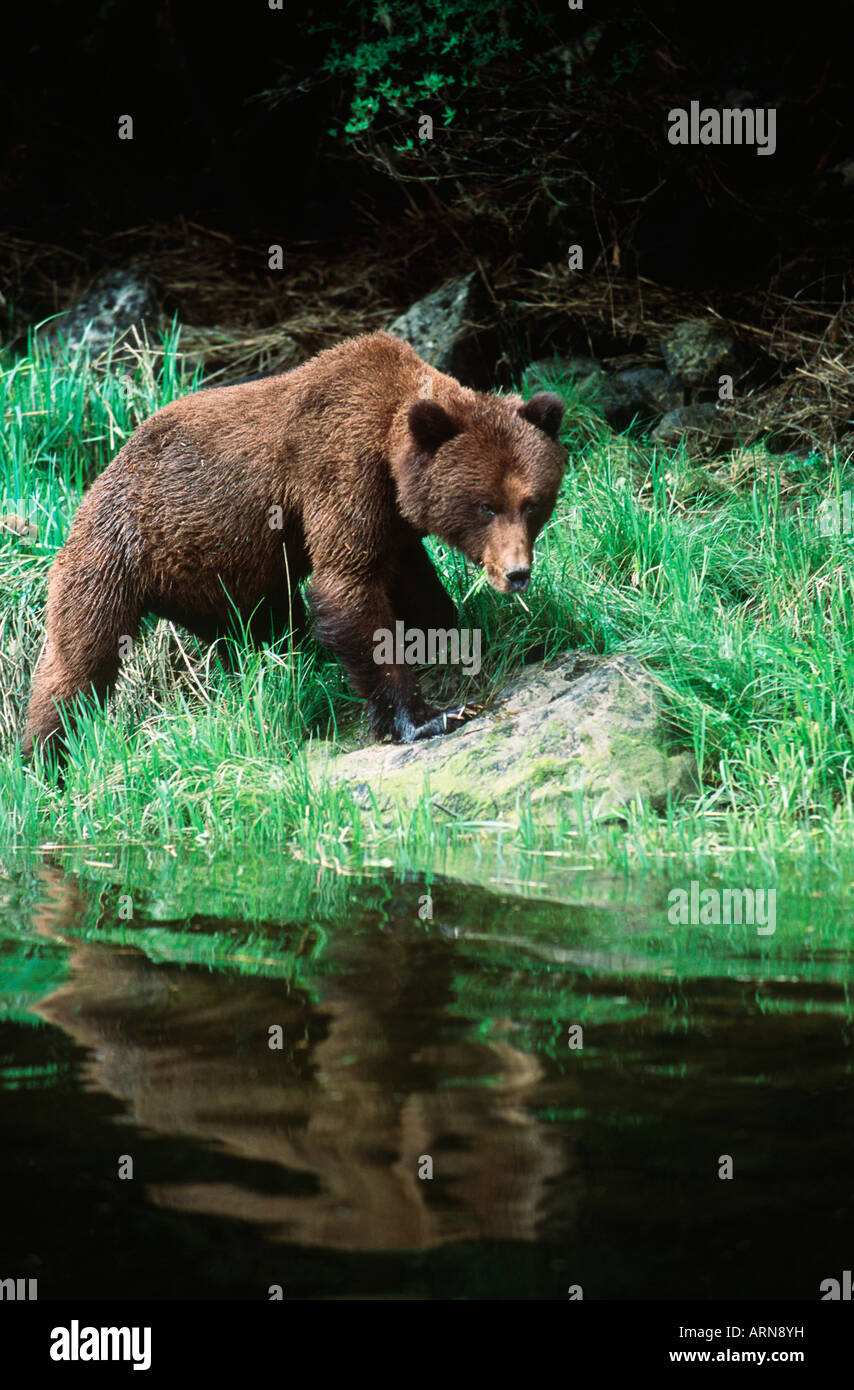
<point>395,58</point>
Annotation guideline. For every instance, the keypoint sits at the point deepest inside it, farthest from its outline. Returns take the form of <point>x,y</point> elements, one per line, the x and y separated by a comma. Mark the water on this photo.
<point>405,1039</point>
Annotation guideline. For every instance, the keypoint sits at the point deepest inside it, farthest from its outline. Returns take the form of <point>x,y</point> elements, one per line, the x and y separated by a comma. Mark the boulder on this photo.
<point>448,328</point>
<point>638,394</point>
<point>576,726</point>
<point>114,304</point>
<point>694,423</point>
<point>698,351</point>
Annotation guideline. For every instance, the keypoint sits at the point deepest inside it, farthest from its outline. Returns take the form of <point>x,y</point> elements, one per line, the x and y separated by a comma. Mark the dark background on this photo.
<point>191,72</point>
<point>530,164</point>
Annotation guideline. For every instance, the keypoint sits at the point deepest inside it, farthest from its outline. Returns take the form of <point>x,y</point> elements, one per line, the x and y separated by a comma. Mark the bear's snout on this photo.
<point>518,580</point>
<point>511,581</point>
<point>507,558</point>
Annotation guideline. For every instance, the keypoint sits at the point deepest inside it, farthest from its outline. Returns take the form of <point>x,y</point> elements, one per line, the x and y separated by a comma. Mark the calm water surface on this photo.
<point>403,1042</point>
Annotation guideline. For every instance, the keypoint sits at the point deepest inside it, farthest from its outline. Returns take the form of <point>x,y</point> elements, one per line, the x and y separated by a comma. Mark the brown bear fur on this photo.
<point>366,450</point>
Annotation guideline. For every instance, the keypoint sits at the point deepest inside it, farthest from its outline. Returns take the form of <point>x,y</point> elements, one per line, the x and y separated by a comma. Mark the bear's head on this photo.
<point>484,477</point>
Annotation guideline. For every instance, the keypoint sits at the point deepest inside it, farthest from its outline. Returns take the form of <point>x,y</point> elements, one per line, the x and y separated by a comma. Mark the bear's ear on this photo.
<point>545,410</point>
<point>431,426</point>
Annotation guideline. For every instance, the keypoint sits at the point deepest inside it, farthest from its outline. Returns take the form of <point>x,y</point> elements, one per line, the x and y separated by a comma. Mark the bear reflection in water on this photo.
<point>374,1075</point>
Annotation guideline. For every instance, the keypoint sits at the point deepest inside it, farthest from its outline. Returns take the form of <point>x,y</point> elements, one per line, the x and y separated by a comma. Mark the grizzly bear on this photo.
<point>223,501</point>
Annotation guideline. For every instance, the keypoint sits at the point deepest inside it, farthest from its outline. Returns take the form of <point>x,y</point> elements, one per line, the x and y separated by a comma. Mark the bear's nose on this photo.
<point>518,580</point>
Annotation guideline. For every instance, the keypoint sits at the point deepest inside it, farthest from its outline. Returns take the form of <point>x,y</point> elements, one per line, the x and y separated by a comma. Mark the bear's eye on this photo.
<point>534,504</point>
<point>486,509</point>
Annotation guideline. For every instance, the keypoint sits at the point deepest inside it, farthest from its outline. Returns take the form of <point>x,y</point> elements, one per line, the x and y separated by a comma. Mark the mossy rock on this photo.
<point>580,726</point>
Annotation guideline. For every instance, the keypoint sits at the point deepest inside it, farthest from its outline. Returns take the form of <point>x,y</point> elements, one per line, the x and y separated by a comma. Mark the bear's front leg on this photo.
<point>357,623</point>
<point>418,596</point>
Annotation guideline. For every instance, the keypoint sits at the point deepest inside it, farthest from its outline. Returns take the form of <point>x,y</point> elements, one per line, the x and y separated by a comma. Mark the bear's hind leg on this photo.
<point>84,646</point>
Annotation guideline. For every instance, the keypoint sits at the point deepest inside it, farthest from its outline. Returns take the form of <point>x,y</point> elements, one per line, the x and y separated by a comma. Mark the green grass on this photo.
<point>727,591</point>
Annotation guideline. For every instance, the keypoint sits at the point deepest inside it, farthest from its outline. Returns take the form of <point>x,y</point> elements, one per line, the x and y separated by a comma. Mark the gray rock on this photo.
<point>637,394</point>
<point>580,726</point>
<point>698,351</point>
<point>448,329</point>
<point>661,391</point>
<point>114,304</point>
<point>845,169</point>
<point>694,421</point>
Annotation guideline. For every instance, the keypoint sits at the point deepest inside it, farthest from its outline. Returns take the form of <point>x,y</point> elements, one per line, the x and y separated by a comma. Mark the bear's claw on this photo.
<point>445,722</point>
